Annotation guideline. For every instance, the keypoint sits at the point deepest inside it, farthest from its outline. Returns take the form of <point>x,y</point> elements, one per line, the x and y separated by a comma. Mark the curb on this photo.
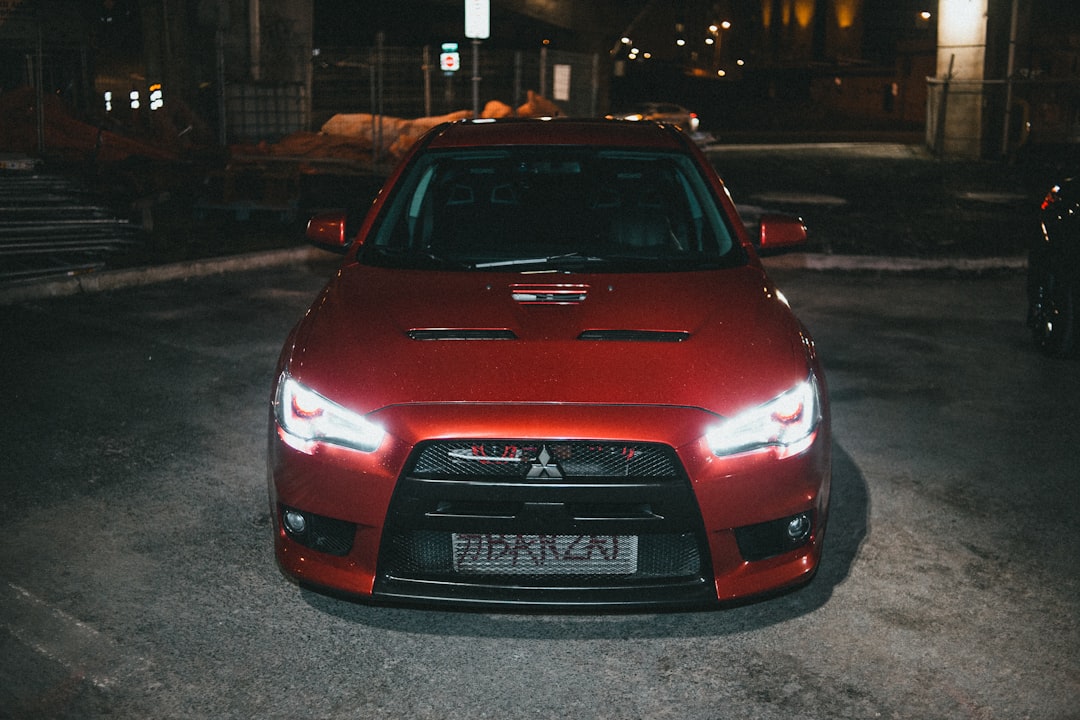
<point>868,263</point>
<point>23,291</point>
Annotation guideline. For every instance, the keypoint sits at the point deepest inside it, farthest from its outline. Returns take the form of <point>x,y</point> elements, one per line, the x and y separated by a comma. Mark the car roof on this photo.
<point>556,131</point>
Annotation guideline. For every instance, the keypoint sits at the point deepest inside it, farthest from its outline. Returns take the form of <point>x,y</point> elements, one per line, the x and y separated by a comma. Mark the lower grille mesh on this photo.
<point>525,521</point>
<point>429,554</point>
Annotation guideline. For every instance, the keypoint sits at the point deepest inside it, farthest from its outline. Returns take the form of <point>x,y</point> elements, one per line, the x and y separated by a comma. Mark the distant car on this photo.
<point>661,112</point>
<point>1054,271</point>
<point>550,372</point>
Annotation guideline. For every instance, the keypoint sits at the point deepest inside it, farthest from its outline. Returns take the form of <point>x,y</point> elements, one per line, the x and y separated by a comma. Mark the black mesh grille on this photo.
<point>535,504</point>
<point>430,554</point>
<point>550,460</point>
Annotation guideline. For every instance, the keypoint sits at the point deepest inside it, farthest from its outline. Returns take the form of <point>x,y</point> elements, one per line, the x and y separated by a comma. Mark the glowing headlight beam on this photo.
<point>307,415</point>
<point>787,424</point>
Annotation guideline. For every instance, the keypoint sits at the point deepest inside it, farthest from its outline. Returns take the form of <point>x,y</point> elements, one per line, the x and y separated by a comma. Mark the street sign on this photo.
<point>478,19</point>
<point>449,58</point>
<point>561,84</point>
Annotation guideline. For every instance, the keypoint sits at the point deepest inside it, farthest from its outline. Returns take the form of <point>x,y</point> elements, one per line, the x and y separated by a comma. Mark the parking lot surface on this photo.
<point>137,577</point>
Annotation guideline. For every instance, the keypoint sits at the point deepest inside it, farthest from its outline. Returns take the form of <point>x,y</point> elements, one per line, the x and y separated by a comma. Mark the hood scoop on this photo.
<point>461,334</point>
<point>554,294</point>
<point>636,335</point>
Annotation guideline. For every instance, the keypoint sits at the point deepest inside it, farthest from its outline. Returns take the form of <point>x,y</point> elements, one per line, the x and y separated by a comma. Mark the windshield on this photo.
<point>565,208</point>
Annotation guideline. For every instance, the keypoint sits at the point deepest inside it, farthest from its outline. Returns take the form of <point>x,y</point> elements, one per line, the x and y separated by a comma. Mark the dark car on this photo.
<point>1054,271</point>
<point>551,372</point>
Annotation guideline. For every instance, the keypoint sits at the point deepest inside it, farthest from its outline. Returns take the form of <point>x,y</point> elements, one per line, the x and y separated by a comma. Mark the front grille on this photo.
<point>532,511</point>
<point>426,553</point>
<point>519,459</point>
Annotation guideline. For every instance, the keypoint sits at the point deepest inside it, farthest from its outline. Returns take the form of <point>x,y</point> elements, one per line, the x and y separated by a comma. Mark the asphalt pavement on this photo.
<point>136,569</point>
<point>137,577</point>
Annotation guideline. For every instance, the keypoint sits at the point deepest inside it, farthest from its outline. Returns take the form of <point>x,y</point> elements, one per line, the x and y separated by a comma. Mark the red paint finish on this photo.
<point>546,343</point>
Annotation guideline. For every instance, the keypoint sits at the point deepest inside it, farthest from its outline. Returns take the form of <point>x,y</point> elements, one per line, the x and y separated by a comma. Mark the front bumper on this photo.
<point>707,529</point>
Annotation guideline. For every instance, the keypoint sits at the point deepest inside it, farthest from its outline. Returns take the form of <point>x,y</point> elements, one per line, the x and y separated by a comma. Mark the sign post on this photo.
<point>477,28</point>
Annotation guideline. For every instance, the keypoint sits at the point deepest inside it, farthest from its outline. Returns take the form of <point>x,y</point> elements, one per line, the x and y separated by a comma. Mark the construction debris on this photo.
<point>52,225</point>
<point>351,137</point>
<point>62,135</point>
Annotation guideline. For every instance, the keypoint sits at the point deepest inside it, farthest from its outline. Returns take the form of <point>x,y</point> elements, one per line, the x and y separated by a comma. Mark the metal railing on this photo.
<point>51,225</point>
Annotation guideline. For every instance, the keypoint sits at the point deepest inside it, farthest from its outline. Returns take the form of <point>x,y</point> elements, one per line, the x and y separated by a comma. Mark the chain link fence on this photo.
<point>408,82</point>
<point>265,110</point>
<point>1023,111</point>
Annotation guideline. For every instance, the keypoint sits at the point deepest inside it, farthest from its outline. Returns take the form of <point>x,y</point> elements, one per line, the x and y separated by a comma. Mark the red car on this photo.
<point>550,372</point>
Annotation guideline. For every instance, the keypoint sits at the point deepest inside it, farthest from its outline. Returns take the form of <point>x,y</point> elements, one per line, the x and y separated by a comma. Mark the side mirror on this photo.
<point>780,232</point>
<point>327,231</point>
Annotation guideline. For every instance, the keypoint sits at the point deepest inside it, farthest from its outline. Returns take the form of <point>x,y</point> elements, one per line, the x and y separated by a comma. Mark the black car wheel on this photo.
<point>1053,316</point>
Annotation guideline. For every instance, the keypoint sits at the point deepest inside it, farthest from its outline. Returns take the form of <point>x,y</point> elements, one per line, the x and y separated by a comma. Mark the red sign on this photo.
<point>449,61</point>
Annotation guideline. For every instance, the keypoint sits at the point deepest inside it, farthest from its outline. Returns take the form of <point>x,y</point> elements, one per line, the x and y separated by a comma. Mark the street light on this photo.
<point>716,39</point>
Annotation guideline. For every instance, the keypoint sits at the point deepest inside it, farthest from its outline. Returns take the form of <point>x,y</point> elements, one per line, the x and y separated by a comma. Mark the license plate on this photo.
<point>510,554</point>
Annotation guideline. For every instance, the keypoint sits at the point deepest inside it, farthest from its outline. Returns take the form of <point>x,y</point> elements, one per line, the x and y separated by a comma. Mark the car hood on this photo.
<point>719,340</point>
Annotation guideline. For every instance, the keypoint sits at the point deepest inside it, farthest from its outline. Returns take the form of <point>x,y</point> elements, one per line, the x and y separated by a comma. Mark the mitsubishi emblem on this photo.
<point>545,466</point>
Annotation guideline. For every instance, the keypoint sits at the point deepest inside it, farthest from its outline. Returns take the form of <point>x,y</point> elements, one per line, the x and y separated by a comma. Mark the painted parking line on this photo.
<point>65,640</point>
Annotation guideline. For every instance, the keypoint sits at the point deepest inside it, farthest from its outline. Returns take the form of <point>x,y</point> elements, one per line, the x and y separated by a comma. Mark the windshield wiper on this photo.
<point>548,260</point>
<point>417,254</point>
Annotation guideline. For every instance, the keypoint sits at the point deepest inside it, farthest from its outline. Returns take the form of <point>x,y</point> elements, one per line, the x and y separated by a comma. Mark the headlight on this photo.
<point>307,415</point>
<point>788,423</point>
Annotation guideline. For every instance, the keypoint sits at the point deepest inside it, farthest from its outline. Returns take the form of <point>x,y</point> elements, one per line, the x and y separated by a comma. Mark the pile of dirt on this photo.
<point>352,136</point>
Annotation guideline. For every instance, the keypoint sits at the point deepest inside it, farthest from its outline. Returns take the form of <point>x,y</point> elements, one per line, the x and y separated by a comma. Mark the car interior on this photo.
<point>486,206</point>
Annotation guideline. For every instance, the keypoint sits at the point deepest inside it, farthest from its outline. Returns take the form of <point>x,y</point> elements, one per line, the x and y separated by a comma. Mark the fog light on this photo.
<point>295,522</point>
<point>798,527</point>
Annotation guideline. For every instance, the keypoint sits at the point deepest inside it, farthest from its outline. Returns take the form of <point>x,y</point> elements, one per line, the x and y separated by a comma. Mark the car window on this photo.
<point>561,206</point>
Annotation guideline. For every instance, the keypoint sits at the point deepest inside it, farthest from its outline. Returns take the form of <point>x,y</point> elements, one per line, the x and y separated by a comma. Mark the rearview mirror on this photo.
<point>779,232</point>
<point>327,230</point>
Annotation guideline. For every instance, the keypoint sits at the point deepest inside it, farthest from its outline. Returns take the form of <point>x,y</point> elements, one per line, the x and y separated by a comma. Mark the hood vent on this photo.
<point>461,334</point>
<point>549,294</point>
<point>635,335</point>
